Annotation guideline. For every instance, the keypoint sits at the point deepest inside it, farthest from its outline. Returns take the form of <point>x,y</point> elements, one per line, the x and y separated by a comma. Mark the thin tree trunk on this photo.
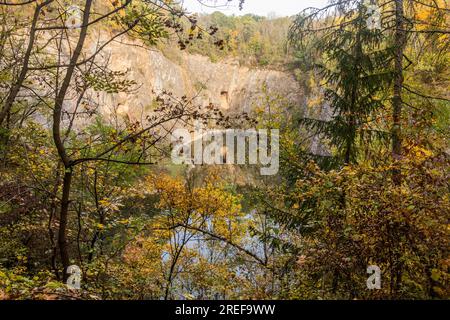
<point>26,60</point>
<point>62,233</point>
<point>57,112</point>
<point>400,43</point>
<point>51,234</point>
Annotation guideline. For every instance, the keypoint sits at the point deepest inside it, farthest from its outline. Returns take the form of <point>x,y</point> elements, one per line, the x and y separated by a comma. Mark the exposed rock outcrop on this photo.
<point>226,83</point>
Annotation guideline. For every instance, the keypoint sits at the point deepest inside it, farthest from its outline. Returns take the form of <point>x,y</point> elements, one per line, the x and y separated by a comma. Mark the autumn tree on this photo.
<point>58,71</point>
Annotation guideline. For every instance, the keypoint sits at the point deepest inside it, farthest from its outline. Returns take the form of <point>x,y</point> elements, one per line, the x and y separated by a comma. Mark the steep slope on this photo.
<point>226,83</point>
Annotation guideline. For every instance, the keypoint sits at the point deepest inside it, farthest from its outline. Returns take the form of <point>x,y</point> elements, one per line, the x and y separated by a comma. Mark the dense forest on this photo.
<point>93,207</point>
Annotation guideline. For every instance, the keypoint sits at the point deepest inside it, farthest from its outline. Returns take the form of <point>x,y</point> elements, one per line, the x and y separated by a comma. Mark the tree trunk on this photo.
<point>26,59</point>
<point>400,43</point>
<point>68,165</point>
<point>62,234</point>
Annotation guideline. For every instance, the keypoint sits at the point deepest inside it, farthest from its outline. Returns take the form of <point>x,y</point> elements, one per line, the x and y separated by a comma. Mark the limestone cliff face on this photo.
<point>225,84</point>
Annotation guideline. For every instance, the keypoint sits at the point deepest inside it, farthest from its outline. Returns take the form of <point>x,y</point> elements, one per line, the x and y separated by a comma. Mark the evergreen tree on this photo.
<point>355,69</point>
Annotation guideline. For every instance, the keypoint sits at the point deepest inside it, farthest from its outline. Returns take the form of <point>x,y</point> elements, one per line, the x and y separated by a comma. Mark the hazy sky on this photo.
<point>259,7</point>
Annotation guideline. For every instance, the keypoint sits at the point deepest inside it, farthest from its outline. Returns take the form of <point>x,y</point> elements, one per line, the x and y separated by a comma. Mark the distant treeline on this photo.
<point>252,39</point>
